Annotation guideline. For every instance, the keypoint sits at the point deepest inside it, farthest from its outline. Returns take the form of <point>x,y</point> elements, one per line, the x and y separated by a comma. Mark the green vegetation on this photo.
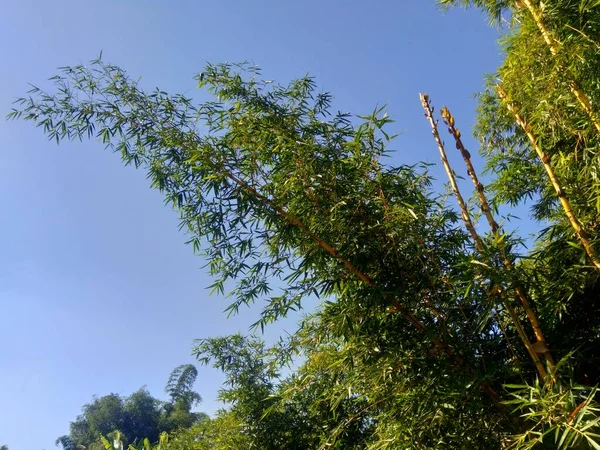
<point>138,416</point>
<point>431,334</point>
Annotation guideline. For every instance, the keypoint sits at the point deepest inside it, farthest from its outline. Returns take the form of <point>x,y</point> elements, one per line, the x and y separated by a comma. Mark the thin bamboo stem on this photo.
<point>560,193</point>
<point>521,293</point>
<point>426,103</point>
<point>521,332</point>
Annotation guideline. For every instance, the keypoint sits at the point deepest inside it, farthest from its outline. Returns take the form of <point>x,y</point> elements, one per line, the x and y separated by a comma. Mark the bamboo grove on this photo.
<point>435,328</point>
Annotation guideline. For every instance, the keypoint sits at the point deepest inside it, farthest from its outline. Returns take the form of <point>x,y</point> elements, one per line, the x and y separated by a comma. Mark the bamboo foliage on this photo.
<point>412,345</point>
<point>535,9</point>
<point>331,251</point>
<point>272,192</point>
<point>550,72</point>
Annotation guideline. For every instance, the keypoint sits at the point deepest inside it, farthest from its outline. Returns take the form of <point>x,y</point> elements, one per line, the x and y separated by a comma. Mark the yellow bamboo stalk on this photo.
<point>426,103</point>
<point>560,193</point>
<point>521,294</point>
<point>554,47</point>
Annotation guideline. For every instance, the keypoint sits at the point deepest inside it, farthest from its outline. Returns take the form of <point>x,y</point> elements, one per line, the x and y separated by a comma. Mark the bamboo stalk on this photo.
<point>554,47</point>
<point>426,103</point>
<point>560,193</point>
<point>521,332</point>
<point>521,294</point>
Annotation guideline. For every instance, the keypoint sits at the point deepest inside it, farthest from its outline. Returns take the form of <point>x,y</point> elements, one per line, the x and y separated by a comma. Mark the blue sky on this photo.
<point>98,292</point>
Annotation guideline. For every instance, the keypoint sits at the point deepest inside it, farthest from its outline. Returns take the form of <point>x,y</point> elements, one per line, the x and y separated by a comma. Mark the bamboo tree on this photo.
<point>124,114</point>
<point>535,11</point>
<point>219,167</point>
<point>275,191</point>
<point>410,316</point>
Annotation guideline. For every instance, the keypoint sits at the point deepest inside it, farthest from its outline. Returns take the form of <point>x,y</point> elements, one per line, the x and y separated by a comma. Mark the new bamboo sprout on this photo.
<point>461,202</point>
<point>521,294</point>
<point>466,216</point>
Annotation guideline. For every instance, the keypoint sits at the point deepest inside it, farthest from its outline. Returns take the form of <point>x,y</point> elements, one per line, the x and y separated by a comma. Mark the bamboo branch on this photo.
<point>521,332</point>
<point>294,221</point>
<point>471,228</point>
<point>521,294</point>
<point>554,47</point>
<point>560,193</point>
<point>440,344</point>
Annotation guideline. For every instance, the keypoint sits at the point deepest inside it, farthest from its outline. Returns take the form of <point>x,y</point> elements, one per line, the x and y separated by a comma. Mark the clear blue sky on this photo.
<point>98,292</point>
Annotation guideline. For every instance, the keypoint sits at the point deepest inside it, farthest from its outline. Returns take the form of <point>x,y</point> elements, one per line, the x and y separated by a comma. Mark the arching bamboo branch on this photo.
<point>440,344</point>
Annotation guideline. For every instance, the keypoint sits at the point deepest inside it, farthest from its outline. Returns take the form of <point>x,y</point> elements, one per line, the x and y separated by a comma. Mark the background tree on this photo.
<point>177,412</point>
<point>180,384</point>
<point>138,416</point>
<point>143,414</point>
<point>65,442</point>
